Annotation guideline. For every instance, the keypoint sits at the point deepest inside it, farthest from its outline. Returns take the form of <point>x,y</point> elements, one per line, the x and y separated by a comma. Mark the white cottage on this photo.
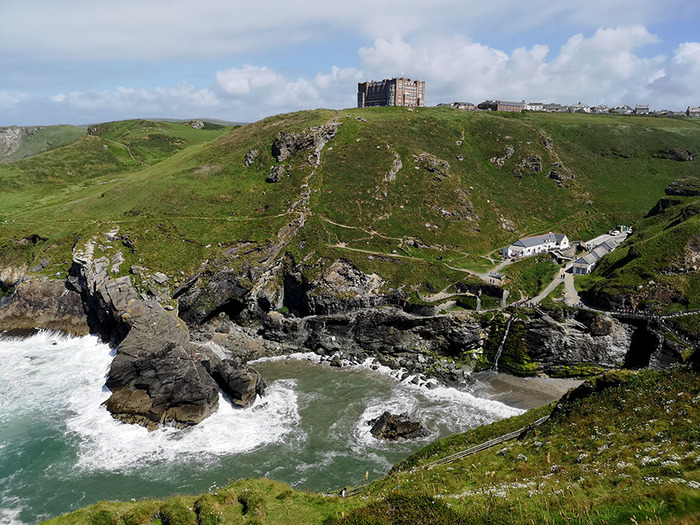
<point>529,246</point>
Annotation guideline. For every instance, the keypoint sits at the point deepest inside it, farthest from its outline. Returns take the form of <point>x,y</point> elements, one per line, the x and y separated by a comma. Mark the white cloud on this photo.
<point>242,81</point>
<point>602,68</point>
<point>11,99</point>
<point>170,29</point>
<point>256,91</point>
<point>680,80</point>
<point>123,102</point>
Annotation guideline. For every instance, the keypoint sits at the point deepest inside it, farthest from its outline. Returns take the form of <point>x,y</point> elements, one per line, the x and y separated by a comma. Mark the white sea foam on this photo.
<point>296,356</point>
<point>49,372</point>
<point>441,410</point>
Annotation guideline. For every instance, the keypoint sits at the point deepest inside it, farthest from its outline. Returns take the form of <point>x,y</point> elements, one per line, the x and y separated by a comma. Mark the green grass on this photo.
<point>623,449</point>
<point>530,275</point>
<point>183,195</point>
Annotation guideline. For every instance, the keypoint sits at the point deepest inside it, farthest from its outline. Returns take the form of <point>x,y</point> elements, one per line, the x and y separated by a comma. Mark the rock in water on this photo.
<point>239,382</point>
<point>393,427</point>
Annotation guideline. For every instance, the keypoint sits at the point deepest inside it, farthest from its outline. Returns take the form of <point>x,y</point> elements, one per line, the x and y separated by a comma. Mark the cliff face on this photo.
<point>170,371</point>
<point>11,140</point>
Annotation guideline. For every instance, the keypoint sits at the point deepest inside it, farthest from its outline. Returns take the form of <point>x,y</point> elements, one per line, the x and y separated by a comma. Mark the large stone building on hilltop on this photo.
<point>391,92</point>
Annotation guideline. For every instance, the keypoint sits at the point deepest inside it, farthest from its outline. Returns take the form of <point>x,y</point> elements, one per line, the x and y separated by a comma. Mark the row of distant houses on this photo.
<point>621,109</point>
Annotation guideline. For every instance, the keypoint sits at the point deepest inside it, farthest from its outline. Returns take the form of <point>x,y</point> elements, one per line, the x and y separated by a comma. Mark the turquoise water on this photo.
<point>61,450</point>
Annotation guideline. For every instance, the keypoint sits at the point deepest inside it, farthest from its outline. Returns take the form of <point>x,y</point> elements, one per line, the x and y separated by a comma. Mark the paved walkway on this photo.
<point>572,298</point>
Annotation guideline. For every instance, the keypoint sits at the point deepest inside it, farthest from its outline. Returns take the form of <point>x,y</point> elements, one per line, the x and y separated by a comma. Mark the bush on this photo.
<point>208,511</point>
<point>102,517</point>
<point>419,509</point>
<point>175,512</point>
<point>251,501</point>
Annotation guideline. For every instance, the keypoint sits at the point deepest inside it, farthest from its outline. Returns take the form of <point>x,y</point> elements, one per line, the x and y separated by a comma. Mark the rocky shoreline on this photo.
<point>171,363</point>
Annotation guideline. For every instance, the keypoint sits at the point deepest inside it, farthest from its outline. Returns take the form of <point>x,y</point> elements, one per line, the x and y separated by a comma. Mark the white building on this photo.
<point>529,246</point>
<point>534,106</point>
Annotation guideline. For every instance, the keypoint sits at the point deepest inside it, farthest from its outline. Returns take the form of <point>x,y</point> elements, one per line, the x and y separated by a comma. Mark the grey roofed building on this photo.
<point>537,244</point>
<point>528,242</point>
<point>693,112</point>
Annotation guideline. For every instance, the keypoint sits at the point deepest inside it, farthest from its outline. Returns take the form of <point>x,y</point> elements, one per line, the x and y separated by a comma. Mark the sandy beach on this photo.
<point>522,392</point>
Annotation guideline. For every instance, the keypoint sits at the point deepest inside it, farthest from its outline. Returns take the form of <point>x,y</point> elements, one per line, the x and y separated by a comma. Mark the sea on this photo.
<point>61,450</point>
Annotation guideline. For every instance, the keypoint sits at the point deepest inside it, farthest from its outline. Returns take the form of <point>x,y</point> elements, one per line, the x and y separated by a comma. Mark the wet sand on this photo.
<point>521,392</point>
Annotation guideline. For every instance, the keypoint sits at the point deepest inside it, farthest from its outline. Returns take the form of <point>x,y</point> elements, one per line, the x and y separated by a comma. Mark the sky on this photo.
<point>87,61</point>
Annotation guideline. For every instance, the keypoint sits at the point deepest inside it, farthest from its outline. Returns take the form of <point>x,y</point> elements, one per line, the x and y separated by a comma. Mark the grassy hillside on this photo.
<point>623,448</point>
<point>40,139</point>
<point>468,183</point>
<point>657,268</point>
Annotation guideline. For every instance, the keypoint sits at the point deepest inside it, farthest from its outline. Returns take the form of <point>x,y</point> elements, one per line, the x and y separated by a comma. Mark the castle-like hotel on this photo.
<point>391,92</point>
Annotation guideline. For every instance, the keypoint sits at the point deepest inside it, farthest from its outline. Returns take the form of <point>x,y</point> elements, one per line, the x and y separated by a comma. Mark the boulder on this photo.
<point>240,383</point>
<point>250,158</point>
<point>393,427</point>
<point>677,154</point>
<point>276,174</point>
<point>161,386</point>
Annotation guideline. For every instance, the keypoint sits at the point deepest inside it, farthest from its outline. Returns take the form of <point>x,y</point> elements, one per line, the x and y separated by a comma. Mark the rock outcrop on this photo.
<point>43,303</point>
<point>158,376</point>
<point>677,154</point>
<point>311,139</point>
<point>393,427</point>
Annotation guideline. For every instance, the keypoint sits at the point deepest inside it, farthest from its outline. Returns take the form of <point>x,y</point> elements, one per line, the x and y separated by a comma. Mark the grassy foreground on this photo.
<point>625,448</point>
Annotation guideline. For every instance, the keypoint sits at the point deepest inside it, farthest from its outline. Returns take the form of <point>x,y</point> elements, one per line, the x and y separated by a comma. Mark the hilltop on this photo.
<point>443,189</point>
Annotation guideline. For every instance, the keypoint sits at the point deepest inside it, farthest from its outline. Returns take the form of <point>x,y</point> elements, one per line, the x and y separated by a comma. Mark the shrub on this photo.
<point>175,512</point>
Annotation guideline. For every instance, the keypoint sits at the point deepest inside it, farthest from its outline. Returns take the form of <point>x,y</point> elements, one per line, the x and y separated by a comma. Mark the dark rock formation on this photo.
<point>43,303</point>
<point>276,173</point>
<point>242,384</point>
<point>440,168</point>
<point>677,154</point>
<point>154,382</point>
<point>684,187</point>
<point>250,158</point>
<point>311,139</point>
<point>560,173</point>
<point>528,166</point>
<point>600,343</point>
<point>158,376</point>
<point>393,427</point>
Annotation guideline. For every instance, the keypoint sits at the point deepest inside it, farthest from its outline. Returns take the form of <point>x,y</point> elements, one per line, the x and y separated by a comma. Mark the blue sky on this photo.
<point>83,61</point>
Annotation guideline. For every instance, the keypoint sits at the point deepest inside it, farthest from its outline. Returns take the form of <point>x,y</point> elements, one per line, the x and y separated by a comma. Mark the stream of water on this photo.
<point>61,450</point>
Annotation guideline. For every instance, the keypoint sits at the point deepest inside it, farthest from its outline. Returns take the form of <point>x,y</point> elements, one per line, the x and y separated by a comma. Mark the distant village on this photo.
<point>411,93</point>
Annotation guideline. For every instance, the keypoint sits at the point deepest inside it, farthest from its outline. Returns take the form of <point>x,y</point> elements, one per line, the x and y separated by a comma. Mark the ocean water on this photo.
<point>61,450</point>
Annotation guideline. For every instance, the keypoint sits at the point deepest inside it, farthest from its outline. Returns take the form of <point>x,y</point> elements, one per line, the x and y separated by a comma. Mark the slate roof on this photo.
<point>528,242</point>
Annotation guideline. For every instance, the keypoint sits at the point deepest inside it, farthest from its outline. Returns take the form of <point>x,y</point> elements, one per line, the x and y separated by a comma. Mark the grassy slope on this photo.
<point>181,207</point>
<point>650,266</point>
<point>627,453</point>
<point>45,139</point>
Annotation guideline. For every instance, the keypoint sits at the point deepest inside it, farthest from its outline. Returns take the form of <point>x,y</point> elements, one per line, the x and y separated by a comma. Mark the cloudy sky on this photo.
<point>83,61</point>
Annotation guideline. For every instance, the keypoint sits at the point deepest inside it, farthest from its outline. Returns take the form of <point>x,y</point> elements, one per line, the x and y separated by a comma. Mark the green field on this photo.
<point>183,195</point>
